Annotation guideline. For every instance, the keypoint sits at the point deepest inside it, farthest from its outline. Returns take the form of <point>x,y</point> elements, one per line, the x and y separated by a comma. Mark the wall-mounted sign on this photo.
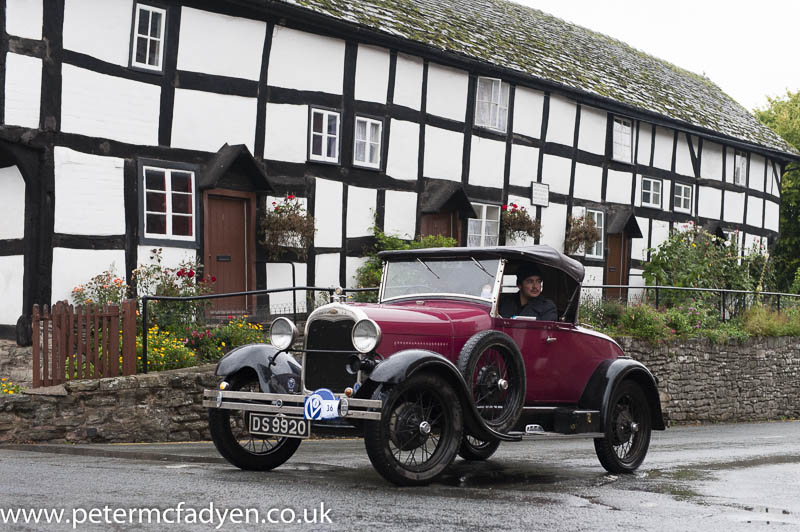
<point>540,194</point>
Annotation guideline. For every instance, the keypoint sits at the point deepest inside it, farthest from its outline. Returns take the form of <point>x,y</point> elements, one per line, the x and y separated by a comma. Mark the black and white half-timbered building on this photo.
<point>130,125</point>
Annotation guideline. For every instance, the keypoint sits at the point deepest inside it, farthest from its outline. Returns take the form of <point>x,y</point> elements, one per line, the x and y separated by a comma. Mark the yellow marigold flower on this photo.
<point>4,379</point>
<point>223,344</point>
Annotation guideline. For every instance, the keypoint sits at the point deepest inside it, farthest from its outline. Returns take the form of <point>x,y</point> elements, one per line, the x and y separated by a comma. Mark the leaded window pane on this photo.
<point>154,180</point>
<point>141,49</point>
<point>156,224</point>
<point>155,25</point>
<point>182,225</point>
<point>316,122</point>
<point>156,202</point>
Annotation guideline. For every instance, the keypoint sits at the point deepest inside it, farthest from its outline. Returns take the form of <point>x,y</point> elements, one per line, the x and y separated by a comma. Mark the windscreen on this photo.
<point>465,277</point>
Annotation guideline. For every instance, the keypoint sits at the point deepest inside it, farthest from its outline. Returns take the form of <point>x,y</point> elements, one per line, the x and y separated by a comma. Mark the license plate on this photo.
<point>268,425</point>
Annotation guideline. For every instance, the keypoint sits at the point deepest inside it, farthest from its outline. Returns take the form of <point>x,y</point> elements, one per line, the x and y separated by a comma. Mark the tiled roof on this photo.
<point>528,41</point>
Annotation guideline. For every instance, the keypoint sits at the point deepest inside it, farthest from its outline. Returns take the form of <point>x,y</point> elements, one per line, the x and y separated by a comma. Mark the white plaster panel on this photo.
<point>774,187</point>
<point>220,44</point>
<point>683,158</point>
<point>408,81</point>
<point>12,268</point>
<point>618,187</point>
<point>660,233</point>
<point>286,137</point>
<point>23,90</point>
<point>524,165</point>
<point>101,29</point>
<point>280,276</point>
<point>730,160</point>
<point>443,153</point>
<point>588,181</point>
<point>24,18</point>
<point>487,162</point>
<point>89,194</point>
<point>751,244</point>
<point>305,61</point>
<point>372,73</point>
<point>523,203</point>
<point>771,215</point>
<point>327,270</point>
<point>665,140</point>
<point>734,207</point>
<point>400,216</point>
<point>709,201</point>
<point>556,172</point>
<point>72,267</point>
<point>328,214</point>
<point>593,275</point>
<point>755,209</point>
<point>635,296</point>
<point>554,225</point>
<point>170,257</point>
<point>361,206</point>
<point>711,161</point>
<point>757,172</point>
<point>110,107</point>
<point>528,110</point>
<point>205,120</point>
<point>639,245</point>
<point>592,134</point>
<point>351,266</point>
<point>402,161</point>
<point>561,121</point>
<point>12,203</point>
<point>645,144</point>
<point>666,194</point>
<point>447,92</point>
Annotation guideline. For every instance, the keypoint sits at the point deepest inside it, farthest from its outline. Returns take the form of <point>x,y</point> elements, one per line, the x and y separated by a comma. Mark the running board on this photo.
<point>536,432</point>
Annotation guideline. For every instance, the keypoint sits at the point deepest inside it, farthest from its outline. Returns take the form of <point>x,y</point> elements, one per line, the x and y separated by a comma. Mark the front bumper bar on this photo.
<point>289,404</point>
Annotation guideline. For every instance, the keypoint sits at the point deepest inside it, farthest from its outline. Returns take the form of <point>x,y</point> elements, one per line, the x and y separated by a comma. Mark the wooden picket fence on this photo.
<point>83,342</point>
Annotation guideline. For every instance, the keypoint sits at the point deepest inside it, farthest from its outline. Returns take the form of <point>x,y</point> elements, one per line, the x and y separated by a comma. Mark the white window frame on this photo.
<point>498,101</point>
<point>325,136</point>
<point>740,168</point>
<point>169,212</point>
<point>652,193</point>
<point>680,198</point>
<point>597,250</point>
<point>621,131</point>
<point>483,209</point>
<point>369,146</point>
<point>150,39</point>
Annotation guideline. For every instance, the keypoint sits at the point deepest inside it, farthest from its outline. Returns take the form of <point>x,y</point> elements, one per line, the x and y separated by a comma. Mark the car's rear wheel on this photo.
<point>235,443</point>
<point>493,368</point>
<point>627,430</point>
<point>474,449</point>
<point>419,432</point>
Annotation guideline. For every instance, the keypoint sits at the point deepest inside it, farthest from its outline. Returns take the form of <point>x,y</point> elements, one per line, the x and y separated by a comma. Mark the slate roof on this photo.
<point>530,42</point>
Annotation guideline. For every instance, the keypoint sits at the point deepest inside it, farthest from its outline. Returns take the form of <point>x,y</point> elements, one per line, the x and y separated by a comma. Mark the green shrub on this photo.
<point>643,322</point>
<point>164,351</point>
<point>213,342</point>
<point>102,289</point>
<point>762,321</point>
<point>8,388</point>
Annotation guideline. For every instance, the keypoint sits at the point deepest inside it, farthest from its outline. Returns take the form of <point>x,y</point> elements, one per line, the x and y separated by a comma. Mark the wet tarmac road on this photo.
<point>709,478</point>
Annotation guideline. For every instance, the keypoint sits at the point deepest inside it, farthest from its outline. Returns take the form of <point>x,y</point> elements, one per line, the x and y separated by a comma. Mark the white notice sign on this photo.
<point>540,194</point>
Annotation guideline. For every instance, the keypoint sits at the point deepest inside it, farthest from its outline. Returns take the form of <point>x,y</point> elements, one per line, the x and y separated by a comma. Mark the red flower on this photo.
<point>274,203</point>
<point>291,196</point>
<point>191,273</point>
<point>180,273</point>
<point>514,205</point>
<point>213,279</point>
<point>504,207</point>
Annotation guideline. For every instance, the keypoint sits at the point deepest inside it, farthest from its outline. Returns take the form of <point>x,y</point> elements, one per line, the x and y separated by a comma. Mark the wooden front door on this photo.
<point>228,250</point>
<point>445,224</point>
<point>617,265</point>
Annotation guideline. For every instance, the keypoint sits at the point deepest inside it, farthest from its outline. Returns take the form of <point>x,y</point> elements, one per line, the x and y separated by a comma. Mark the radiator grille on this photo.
<point>329,370</point>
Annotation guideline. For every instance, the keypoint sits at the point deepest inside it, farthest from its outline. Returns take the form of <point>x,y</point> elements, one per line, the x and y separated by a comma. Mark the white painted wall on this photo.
<point>618,187</point>
<point>408,81</point>
<point>205,120</point>
<point>709,201</point>
<point>12,204</point>
<point>24,18</point>
<point>593,275</point>
<point>771,216</point>
<point>286,137</point>
<point>522,202</point>
<point>487,162</point>
<point>72,267</point>
<point>660,233</point>
<point>170,257</point>
<point>328,214</point>
<point>400,216</point>
<point>711,161</point>
<point>305,61</point>
<point>352,264</point>
<point>443,153</point>
<point>639,245</point>
<point>773,187</point>
<point>663,149</point>
<point>645,143</point>
<point>524,165</point>
<point>554,220</point>
<point>402,161</point>
<point>755,209</point>
<point>588,181</point>
<point>561,121</point>
<point>556,172</point>
<point>220,44</point>
<point>528,110</point>
<point>683,158</point>
<point>280,276</point>
<point>23,90</point>
<point>89,194</point>
<point>327,270</point>
<point>372,73</point>
<point>361,208</point>
<point>592,134</point>
<point>734,207</point>
<point>757,172</point>
<point>752,244</point>
<point>447,92</point>
<point>12,268</point>
<point>99,28</point>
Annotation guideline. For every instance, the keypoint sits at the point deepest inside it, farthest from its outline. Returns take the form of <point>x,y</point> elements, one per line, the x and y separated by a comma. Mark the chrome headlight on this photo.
<point>366,335</point>
<point>282,333</point>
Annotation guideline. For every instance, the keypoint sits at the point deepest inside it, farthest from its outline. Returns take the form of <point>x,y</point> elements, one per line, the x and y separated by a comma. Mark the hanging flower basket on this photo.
<point>582,232</point>
<point>516,223</point>
<point>284,226</point>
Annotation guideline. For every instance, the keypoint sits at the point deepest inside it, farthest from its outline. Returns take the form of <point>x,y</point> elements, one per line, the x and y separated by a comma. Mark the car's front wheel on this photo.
<point>627,430</point>
<point>419,432</point>
<point>474,449</point>
<point>235,443</point>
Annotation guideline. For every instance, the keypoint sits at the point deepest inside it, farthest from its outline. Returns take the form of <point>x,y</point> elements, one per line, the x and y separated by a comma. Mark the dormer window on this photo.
<point>147,50</point>
<point>491,104</point>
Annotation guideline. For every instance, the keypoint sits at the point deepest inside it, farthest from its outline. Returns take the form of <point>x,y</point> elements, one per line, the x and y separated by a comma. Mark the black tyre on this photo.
<point>419,432</point>
<point>627,430</point>
<point>492,366</point>
<point>474,449</point>
<point>239,447</point>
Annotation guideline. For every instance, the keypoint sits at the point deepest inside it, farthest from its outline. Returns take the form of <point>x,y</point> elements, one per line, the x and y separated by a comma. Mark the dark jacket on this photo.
<point>540,307</point>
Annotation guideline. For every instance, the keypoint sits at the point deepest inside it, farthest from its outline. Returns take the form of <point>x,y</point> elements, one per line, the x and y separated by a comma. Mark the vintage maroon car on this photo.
<point>433,370</point>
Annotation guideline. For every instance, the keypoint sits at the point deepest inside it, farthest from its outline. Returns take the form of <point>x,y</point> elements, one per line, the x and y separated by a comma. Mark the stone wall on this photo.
<point>16,363</point>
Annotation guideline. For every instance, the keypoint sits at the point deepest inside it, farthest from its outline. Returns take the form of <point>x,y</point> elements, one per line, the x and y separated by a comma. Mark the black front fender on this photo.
<point>278,372</point>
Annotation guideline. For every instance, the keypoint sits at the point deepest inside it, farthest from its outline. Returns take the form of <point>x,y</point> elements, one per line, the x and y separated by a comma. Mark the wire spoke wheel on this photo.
<point>475,449</point>
<point>627,430</point>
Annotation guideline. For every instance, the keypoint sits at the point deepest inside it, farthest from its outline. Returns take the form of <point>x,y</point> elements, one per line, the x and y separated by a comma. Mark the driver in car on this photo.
<point>529,300</point>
